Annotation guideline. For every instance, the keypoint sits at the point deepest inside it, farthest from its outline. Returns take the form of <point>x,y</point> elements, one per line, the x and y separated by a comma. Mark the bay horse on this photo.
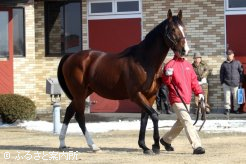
<point>130,74</point>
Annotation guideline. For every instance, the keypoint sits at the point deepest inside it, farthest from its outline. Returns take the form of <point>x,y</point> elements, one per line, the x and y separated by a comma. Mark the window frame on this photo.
<point>63,51</point>
<point>234,8</point>
<point>24,34</point>
<point>126,12</point>
<point>103,13</point>
<point>114,13</point>
<point>7,39</point>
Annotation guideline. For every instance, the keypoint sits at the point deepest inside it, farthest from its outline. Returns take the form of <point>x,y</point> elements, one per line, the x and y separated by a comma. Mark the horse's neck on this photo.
<point>153,55</point>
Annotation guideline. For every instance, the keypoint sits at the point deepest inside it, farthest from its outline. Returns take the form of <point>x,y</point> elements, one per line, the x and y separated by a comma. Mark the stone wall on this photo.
<point>204,21</point>
<point>45,67</point>
<point>24,77</point>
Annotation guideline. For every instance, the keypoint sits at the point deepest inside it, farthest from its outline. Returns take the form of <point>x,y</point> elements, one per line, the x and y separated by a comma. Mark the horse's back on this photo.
<point>99,71</point>
<point>109,75</point>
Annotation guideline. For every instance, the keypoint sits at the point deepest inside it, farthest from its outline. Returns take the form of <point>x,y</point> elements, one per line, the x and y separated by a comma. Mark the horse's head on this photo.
<point>174,34</point>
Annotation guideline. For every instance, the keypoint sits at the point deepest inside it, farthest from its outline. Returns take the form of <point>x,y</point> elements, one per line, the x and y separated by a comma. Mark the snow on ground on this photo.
<point>210,126</point>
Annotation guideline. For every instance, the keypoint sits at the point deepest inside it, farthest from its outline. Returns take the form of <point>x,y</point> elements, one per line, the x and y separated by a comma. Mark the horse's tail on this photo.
<point>61,78</point>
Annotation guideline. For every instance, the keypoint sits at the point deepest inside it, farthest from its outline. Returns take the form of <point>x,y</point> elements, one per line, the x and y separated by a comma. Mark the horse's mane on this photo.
<point>152,34</point>
<point>148,40</point>
<point>158,30</point>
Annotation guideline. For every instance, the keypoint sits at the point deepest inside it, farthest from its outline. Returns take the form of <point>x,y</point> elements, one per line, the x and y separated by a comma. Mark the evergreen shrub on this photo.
<point>14,106</point>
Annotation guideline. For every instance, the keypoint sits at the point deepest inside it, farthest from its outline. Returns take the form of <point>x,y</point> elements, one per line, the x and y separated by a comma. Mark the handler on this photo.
<point>179,73</point>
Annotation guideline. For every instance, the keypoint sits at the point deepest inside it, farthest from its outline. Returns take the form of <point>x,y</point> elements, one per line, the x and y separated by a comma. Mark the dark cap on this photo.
<point>197,55</point>
<point>229,52</point>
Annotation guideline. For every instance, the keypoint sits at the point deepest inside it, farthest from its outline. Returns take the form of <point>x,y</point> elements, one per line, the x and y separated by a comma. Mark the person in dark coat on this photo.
<point>231,77</point>
<point>162,100</point>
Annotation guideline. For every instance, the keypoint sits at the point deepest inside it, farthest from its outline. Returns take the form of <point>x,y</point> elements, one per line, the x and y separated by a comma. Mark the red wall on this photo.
<point>6,64</point>
<point>113,35</point>
<point>236,39</point>
<point>236,33</point>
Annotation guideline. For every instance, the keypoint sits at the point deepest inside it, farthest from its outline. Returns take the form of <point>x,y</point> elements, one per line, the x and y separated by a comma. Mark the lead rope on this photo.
<point>179,96</point>
<point>201,106</point>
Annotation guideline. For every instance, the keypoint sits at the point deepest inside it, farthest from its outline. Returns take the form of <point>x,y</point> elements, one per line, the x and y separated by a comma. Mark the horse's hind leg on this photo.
<point>81,121</point>
<point>68,115</point>
<point>141,139</point>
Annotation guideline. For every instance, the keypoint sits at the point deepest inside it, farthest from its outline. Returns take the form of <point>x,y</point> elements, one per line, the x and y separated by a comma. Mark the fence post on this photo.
<point>56,117</point>
<point>54,90</point>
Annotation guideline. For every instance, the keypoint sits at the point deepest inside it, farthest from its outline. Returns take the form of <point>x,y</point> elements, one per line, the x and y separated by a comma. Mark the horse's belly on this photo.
<point>113,92</point>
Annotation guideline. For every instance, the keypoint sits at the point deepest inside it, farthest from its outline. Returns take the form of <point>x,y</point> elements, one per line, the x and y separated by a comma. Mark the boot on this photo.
<point>199,150</point>
<point>227,111</point>
<point>168,112</point>
<point>167,146</point>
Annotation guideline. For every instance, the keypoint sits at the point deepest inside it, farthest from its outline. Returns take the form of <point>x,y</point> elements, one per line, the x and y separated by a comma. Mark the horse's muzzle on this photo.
<point>183,52</point>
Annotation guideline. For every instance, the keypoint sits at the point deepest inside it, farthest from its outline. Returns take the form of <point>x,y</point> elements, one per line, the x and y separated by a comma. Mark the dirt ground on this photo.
<point>22,146</point>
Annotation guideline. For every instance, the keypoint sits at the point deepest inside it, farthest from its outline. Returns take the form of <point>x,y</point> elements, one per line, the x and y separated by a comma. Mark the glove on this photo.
<point>204,80</point>
<point>169,72</point>
<point>201,96</point>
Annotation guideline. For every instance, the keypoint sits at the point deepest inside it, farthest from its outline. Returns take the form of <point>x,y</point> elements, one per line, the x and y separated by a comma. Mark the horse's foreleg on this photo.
<point>146,105</point>
<point>141,139</point>
<point>156,136</point>
<point>68,115</point>
<point>81,121</point>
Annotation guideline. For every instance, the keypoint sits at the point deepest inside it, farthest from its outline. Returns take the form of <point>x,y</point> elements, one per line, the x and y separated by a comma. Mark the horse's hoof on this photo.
<point>156,149</point>
<point>94,148</point>
<point>97,151</point>
<point>63,147</point>
<point>148,152</point>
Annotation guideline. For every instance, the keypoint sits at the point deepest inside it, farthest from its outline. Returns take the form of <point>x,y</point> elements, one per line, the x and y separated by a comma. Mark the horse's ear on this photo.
<point>180,14</point>
<point>169,15</point>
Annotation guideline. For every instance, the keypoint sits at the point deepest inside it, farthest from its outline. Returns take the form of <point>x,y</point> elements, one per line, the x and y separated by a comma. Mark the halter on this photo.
<point>171,42</point>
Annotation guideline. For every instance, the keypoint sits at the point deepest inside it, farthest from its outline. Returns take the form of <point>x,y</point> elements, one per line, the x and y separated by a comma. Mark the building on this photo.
<point>36,33</point>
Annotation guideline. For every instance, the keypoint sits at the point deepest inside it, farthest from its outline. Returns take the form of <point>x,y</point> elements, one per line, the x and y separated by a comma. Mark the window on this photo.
<point>63,28</point>
<point>127,6</point>
<point>236,5</point>
<point>114,7</point>
<point>103,7</point>
<point>18,32</point>
<point>4,33</point>
<point>17,16</point>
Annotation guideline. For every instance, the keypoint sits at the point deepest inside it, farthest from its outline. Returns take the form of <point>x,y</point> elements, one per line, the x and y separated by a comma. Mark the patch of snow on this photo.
<point>210,126</point>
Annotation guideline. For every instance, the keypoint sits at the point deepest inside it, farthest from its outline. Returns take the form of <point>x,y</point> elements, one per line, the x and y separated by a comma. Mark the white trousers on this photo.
<point>183,122</point>
<point>228,91</point>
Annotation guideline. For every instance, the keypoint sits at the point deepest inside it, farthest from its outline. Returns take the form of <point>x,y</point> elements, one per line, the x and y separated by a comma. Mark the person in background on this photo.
<point>231,77</point>
<point>181,80</point>
<point>201,70</point>
<point>162,100</point>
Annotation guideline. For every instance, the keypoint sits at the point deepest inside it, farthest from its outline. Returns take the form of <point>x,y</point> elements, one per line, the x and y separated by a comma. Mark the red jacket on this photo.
<point>184,78</point>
